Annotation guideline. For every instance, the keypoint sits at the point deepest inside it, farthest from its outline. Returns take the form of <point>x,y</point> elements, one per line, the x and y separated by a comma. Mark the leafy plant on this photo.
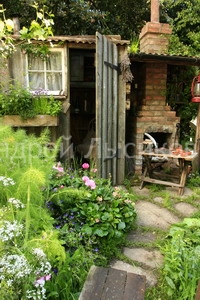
<point>19,101</point>
<point>39,29</point>
<point>32,257</point>
<point>87,209</point>
<point>46,250</point>
<point>181,260</point>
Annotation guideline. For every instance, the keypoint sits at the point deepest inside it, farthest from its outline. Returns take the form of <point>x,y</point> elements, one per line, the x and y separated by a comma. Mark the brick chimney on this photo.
<point>154,35</point>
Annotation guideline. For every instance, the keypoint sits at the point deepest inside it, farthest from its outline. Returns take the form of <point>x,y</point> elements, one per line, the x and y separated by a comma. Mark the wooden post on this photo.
<point>197,138</point>
<point>198,292</point>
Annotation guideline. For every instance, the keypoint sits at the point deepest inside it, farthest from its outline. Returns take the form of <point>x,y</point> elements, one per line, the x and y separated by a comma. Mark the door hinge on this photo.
<point>112,66</point>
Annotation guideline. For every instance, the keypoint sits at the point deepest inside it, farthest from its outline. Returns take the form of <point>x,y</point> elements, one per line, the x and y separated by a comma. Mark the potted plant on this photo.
<point>19,107</point>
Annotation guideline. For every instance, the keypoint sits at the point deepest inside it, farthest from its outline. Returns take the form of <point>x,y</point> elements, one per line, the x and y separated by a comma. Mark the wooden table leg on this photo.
<point>147,170</point>
<point>143,175</point>
<point>183,177</point>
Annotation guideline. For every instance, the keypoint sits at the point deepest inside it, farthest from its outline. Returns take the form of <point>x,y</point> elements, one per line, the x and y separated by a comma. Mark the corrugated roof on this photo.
<point>82,39</point>
<point>172,59</point>
<point>85,39</point>
<point>88,39</point>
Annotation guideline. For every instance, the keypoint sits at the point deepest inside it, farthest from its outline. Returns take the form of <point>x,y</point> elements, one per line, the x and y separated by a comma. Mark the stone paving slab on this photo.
<point>142,237</point>
<point>149,258</point>
<point>150,214</point>
<point>185,209</point>
<point>150,276</point>
<point>153,216</point>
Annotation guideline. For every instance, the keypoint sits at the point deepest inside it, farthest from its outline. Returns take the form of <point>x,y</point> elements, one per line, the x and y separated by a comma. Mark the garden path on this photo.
<point>152,219</point>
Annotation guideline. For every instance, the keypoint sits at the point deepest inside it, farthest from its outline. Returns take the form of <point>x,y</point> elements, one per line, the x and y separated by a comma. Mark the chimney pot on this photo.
<point>155,11</point>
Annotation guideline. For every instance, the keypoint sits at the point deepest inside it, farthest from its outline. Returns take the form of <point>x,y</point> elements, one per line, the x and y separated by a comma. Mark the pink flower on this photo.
<point>58,167</point>
<point>94,170</point>
<point>85,166</point>
<point>48,277</point>
<point>90,183</point>
<point>41,280</point>
<point>85,178</point>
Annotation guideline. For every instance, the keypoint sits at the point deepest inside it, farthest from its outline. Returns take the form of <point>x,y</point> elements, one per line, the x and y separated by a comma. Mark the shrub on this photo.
<point>181,251</point>
<point>88,210</point>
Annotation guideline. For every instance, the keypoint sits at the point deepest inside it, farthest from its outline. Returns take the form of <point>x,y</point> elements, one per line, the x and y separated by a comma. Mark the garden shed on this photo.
<point>84,73</point>
<point>110,99</point>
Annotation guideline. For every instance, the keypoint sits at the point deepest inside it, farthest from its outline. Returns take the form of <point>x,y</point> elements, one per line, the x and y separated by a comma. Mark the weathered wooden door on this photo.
<point>110,111</point>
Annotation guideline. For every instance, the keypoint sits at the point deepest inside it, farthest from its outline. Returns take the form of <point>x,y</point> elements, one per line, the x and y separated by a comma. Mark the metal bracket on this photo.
<point>112,66</point>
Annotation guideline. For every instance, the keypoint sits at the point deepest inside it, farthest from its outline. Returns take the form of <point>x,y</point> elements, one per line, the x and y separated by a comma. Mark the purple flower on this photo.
<point>96,250</point>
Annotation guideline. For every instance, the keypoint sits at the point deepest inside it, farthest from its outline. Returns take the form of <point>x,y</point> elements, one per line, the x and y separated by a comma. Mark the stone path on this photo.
<point>145,259</point>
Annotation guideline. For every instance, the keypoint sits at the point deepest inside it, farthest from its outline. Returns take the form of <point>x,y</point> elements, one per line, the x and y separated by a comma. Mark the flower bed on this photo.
<point>54,222</point>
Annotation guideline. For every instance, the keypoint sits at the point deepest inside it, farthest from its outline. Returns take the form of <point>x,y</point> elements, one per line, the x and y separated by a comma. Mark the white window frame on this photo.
<point>63,71</point>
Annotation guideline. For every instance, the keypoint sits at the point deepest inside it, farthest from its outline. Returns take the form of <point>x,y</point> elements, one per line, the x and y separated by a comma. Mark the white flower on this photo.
<point>39,252</point>
<point>17,203</point>
<point>14,265</point>
<point>44,268</point>
<point>9,230</point>
<point>7,181</point>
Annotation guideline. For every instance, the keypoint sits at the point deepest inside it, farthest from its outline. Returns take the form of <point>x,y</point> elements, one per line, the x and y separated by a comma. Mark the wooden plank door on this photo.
<point>110,111</point>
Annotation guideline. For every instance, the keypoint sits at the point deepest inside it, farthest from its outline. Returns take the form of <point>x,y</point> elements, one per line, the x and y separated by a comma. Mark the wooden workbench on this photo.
<point>183,163</point>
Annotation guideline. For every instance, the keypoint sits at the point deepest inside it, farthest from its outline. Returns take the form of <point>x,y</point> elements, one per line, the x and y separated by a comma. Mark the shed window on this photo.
<point>48,74</point>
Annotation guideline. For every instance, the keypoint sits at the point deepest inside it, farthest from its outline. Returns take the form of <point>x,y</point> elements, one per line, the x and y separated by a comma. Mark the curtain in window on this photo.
<point>45,74</point>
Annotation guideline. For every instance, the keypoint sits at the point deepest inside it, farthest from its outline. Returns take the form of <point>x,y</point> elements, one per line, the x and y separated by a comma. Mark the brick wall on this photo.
<point>154,38</point>
<point>153,113</point>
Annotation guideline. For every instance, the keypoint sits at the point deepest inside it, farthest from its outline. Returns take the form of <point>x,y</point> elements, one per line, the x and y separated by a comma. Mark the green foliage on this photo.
<point>179,98</point>
<point>72,17</point>
<point>193,180</point>
<point>20,155</point>
<point>40,28</point>
<point>134,46</point>
<point>19,101</point>
<point>16,101</point>
<point>177,47</point>
<point>184,18</point>
<point>46,105</point>
<point>6,29</point>
<point>181,260</point>
<point>68,281</point>
<point>53,247</point>
<point>89,215</point>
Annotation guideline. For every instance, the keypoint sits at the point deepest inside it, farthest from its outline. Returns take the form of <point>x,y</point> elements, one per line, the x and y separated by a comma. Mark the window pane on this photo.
<point>54,62</point>
<point>35,63</point>
<point>36,81</point>
<point>54,81</point>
